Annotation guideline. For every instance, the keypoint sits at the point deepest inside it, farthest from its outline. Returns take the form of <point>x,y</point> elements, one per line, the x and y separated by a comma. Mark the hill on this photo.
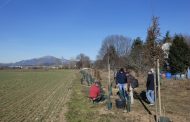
<point>42,61</point>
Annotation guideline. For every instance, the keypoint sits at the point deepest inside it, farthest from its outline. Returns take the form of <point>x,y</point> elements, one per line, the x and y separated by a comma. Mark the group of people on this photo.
<point>124,81</point>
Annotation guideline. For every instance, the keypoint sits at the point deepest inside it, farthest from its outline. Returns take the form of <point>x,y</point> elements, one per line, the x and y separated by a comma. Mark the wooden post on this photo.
<point>155,97</point>
<point>159,95</point>
<point>109,105</point>
<point>109,74</point>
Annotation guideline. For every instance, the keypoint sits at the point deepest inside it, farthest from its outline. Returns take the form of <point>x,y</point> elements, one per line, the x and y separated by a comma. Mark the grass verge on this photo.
<point>80,109</point>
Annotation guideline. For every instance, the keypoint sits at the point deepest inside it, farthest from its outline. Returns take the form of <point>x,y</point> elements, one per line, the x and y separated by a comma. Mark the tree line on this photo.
<point>140,55</point>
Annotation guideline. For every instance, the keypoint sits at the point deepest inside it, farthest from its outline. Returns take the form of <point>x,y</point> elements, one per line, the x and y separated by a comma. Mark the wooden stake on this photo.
<point>159,95</point>
<point>109,100</point>
<point>155,91</point>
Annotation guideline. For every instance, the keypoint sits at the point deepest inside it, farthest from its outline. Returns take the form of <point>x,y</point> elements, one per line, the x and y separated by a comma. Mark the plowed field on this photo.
<point>34,95</point>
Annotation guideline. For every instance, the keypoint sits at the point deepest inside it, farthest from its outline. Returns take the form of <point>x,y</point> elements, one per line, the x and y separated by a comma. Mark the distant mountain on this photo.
<point>42,61</point>
<point>5,64</point>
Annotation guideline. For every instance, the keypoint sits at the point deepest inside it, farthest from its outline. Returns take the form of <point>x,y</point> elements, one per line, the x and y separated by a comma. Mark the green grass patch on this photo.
<point>81,109</point>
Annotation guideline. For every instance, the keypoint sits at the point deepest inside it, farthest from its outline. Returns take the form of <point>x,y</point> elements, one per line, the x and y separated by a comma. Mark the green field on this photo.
<point>34,95</point>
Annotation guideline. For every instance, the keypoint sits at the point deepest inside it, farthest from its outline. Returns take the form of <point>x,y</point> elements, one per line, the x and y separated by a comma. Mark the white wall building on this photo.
<point>166,48</point>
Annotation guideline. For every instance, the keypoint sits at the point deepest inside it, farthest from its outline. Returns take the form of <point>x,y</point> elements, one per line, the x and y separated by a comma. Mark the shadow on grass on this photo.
<point>142,97</point>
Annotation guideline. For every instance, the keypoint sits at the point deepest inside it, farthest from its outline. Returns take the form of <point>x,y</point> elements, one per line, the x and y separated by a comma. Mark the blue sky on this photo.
<point>35,28</point>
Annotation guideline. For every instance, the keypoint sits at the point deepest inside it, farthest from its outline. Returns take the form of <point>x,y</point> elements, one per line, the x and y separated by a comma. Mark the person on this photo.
<point>150,88</point>
<point>121,81</point>
<point>95,92</point>
<point>188,73</point>
<point>129,86</point>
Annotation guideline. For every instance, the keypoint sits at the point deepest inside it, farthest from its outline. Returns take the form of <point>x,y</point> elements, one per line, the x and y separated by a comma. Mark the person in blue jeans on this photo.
<point>150,88</point>
<point>121,81</point>
<point>188,73</point>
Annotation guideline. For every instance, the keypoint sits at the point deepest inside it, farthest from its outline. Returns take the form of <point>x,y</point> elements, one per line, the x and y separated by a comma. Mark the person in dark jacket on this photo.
<point>121,81</point>
<point>150,88</point>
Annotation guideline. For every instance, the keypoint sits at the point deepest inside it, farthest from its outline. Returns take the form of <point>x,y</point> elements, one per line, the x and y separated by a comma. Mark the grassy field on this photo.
<point>34,95</point>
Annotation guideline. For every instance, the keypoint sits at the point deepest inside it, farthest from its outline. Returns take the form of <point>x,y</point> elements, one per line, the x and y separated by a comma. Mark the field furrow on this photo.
<point>41,100</point>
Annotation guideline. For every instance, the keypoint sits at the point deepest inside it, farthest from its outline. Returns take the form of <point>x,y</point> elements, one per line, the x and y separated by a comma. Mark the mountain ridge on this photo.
<point>41,61</point>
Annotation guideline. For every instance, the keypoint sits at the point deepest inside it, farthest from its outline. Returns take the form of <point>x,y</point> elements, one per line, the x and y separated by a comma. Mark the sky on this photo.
<point>66,28</point>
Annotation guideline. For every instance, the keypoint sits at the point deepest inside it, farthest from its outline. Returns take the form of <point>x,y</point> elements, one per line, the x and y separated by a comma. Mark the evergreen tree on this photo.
<point>167,38</point>
<point>179,55</point>
<point>136,54</point>
<point>137,43</point>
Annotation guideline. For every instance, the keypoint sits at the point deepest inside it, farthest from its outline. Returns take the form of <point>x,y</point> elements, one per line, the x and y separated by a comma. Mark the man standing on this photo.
<point>150,88</point>
<point>121,81</point>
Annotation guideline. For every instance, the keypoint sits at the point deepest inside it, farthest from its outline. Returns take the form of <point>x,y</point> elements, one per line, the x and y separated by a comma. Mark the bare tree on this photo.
<point>83,61</point>
<point>120,43</point>
<point>152,48</point>
<point>111,55</point>
<point>116,47</point>
<point>153,32</point>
